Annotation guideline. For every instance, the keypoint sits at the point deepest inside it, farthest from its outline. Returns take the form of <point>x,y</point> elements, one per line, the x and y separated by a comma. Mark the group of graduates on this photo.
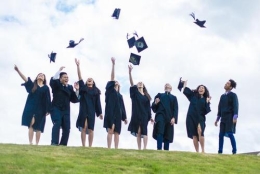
<point>165,106</point>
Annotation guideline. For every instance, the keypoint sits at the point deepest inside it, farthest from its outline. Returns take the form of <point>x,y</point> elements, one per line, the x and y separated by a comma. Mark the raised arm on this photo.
<point>113,69</point>
<point>78,68</point>
<point>20,73</point>
<point>57,75</point>
<point>130,75</point>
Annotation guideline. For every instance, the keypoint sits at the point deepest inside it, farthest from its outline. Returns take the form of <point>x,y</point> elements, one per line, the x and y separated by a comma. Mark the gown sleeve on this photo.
<point>123,108</point>
<point>133,91</point>
<point>188,93</point>
<point>98,106</point>
<point>28,85</point>
<point>155,106</point>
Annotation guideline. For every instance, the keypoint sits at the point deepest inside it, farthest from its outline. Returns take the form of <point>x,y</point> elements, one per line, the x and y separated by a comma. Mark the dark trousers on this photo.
<point>232,140</point>
<point>160,132</point>
<point>60,119</point>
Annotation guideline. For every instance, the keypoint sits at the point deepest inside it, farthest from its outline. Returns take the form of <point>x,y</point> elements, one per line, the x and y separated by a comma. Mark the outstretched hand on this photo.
<point>77,62</point>
<point>76,86</point>
<point>113,60</point>
<point>16,68</point>
<point>208,99</point>
<point>130,68</point>
<point>61,68</point>
<point>172,121</point>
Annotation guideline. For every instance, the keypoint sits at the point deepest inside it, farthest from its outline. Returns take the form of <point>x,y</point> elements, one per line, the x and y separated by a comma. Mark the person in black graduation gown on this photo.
<point>63,94</point>
<point>37,105</point>
<point>141,111</point>
<point>228,112</point>
<point>165,107</point>
<point>114,110</point>
<point>89,96</point>
<point>196,117</point>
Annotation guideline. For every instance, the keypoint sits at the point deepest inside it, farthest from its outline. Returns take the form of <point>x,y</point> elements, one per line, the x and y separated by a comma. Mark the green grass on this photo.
<point>57,159</point>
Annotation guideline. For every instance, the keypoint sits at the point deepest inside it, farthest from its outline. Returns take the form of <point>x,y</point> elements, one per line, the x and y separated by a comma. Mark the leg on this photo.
<point>139,138</point>
<point>166,145</point>
<point>110,133</point>
<point>30,133</point>
<point>83,134</point>
<point>159,141</point>
<point>196,143</point>
<point>38,136</point>
<point>56,120</point>
<point>159,131</point>
<point>90,137</point>
<point>221,142</point>
<point>233,142</point>
<point>65,129</point>
<point>145,141</point>
<point>116,139</point>
<point>201,140</point>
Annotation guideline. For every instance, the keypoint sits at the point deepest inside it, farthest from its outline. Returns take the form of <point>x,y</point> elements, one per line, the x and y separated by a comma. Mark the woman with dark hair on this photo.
<point>89,96</point>
<point>141,110</point>
<point>199,107</point>
<point>115,109</point>
<point>37,105</point>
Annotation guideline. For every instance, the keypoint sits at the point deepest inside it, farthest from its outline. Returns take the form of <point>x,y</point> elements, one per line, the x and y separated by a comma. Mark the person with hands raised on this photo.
<point>114,109</point>
<point>89,97</point>
<point>165,107</point>
<point>37,105</point>
<point>141,111</point>
<point>63,94</point>
<point>196,117</point>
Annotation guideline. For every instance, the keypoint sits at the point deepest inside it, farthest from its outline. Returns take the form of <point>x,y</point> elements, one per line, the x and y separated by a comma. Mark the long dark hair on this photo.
<point>146,93</point>
<point>95,87</point>
<point>206,93</point>
<point>35,84</point>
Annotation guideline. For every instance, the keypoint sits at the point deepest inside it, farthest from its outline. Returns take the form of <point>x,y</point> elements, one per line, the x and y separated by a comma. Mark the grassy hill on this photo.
<point>49,159</point>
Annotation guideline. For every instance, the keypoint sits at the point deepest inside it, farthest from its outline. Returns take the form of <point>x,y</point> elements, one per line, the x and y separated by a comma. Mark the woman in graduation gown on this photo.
<point>141,111</point>
<point>37,105</point>
<point>89,96</point>
<point>115,109</point>
<point>196,117</point>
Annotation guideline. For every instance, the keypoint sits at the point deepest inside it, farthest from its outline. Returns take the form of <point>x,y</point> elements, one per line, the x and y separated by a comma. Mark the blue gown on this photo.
<point>37,105</point>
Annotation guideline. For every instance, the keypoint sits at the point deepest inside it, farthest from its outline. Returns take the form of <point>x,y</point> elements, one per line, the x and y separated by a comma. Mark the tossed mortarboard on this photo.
<point>116,13</point>
<point>180,85</point>
<point>140,44</point>
<point>198,22</point>
<point>72,43</point>
<point>134,59</point>
<point>52,56</point>
<point>131,41</point>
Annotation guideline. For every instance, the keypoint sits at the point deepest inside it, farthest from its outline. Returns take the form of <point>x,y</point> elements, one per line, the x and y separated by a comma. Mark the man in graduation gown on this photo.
<point>228,112</point>
<point>63,94</point>
<point>165,107</point>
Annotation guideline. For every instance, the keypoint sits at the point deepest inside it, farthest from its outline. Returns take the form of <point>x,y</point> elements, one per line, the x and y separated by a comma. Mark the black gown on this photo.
<point>141,112</point>
<point>115,109</point>
<point>165,110</point>
<point>198,109</point>
<point>89,106</point>
<point>227,108</point>
<point>37,105</point>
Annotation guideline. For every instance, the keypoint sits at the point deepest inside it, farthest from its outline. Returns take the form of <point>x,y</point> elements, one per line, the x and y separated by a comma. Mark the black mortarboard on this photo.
<point>72,43</point>
<point>52,56</point>
<point>116,13</point>
<point>140,44</point>
<point>131,42</point>
<point>180,85</point>
<point>198,22</point>
<point>135,59</point>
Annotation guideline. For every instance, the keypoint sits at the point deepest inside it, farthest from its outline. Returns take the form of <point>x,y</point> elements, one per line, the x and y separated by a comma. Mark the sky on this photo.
<point>227,48</point>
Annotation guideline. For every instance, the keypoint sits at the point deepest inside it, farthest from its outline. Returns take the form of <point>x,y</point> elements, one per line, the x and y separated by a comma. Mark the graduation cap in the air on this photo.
<point>52,56</point>
<point>72,43</point>
<point>140,44</point>
<point>180,85</point>
<point>131,41</point>
<point>116,13</point>
<point>198,22</point>
<point>134,59</point>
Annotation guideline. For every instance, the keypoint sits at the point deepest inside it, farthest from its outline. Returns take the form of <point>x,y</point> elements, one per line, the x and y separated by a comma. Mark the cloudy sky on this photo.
<point>227,48</point>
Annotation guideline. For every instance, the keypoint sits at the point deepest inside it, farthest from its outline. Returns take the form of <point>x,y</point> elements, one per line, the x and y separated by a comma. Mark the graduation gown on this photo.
<point>37,105</point>
<point>115,109</point>
<point>89,106</point>
<point>198,109</point>
<point>141,112</point>
<point>166,109</point>
<point>227,108</point>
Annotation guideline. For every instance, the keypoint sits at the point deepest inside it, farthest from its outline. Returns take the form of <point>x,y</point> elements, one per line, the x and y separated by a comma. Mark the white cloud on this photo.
<point>176,48</point>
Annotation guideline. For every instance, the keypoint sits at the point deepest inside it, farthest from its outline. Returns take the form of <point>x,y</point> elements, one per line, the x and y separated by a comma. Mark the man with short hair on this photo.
<point>63,94</point>
<point>228,112</point>
<point>165,107</point>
